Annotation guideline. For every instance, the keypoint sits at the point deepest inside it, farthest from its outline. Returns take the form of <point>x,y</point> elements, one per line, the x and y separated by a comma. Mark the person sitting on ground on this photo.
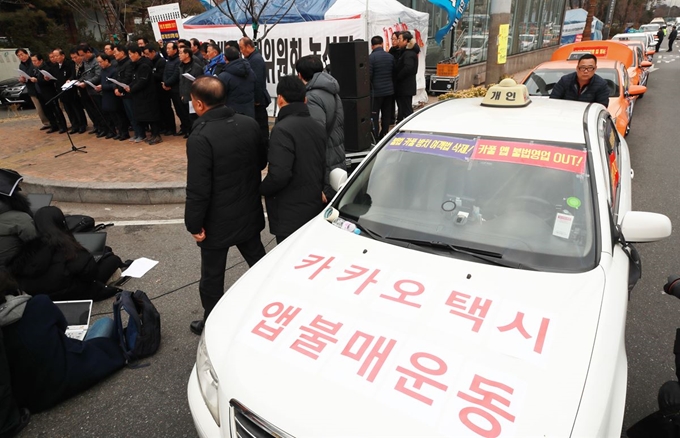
<point>45,365</point>
<point>57,265</point>
<point>16,218</point>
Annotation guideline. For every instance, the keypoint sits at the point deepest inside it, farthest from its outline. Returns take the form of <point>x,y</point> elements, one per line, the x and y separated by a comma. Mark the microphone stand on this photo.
<point>73,147</point>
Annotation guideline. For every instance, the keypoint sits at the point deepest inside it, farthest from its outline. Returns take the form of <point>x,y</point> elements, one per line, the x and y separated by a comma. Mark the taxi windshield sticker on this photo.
<point>443,146</point>
<point>552,157</point>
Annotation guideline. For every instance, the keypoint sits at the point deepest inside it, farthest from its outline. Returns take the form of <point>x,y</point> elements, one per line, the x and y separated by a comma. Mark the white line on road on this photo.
<point>156,222</point>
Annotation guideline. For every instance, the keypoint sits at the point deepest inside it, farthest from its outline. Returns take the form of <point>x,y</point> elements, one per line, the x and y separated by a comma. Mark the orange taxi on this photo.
<point>617,50</point>
<point>641,61</point>
<point>622,93</point>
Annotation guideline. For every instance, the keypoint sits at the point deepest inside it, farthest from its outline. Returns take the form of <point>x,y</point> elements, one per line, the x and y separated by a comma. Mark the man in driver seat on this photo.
<point>583,85</point>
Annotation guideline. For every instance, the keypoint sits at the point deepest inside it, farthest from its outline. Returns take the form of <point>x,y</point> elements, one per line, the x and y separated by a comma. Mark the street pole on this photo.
<point>500,14</point>
<point>608,22</point>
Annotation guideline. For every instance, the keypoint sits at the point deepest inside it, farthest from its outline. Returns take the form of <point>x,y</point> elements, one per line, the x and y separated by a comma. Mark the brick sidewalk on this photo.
<point>31,152</point>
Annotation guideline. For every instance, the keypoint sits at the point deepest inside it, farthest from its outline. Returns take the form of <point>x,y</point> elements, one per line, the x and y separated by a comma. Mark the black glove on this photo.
<point>672,286</point>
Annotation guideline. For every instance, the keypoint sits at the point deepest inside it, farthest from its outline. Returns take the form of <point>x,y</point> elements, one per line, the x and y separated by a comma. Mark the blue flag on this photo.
<point>454,9</point>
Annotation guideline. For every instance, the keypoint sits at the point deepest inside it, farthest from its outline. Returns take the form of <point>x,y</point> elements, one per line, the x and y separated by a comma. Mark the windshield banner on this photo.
<point>552,157</point>
<point>451,147</point>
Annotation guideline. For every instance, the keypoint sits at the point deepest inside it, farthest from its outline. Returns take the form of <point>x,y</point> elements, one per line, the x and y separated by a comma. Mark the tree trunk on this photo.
<point>589,21</point>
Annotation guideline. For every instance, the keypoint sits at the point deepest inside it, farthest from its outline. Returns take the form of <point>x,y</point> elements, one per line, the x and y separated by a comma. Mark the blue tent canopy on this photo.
<point>302,10</point>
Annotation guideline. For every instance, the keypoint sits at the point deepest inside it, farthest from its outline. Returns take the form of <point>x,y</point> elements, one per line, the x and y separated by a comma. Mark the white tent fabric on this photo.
<point>345,20</point>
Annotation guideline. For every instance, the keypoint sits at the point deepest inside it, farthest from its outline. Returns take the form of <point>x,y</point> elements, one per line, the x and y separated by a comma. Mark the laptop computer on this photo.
<point>77,315</point>
<point>39,200</point>
<point>93,242</point>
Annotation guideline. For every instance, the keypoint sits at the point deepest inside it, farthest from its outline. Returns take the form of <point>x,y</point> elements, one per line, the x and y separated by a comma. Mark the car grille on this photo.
<point>244,423</point>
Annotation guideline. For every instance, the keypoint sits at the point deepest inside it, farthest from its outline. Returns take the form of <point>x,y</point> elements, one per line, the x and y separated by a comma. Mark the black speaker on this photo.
<point>357,124</point>
<point>349,65</point>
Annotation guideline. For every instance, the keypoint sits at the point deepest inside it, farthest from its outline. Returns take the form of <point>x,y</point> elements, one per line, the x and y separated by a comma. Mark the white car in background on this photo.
<point>468,280</point>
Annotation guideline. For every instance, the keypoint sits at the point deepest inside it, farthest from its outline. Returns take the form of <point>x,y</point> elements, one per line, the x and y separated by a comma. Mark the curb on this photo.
<point>108,193</point>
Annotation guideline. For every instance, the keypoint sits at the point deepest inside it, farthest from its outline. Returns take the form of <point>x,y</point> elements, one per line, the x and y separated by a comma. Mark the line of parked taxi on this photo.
<point>623,62</point>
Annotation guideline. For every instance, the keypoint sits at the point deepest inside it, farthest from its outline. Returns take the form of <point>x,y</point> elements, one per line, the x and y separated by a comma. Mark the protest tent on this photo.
<point>310,26</point>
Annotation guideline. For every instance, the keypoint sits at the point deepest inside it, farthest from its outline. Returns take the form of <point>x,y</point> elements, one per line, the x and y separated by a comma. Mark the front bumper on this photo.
<point>203,421</point>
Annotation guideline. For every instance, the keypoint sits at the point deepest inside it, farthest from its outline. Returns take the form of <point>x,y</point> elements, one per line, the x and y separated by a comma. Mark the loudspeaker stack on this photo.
<point>349,66</point>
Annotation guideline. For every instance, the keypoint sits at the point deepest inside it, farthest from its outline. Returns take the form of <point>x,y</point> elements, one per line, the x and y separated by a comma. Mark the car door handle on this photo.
<point>632,174</point>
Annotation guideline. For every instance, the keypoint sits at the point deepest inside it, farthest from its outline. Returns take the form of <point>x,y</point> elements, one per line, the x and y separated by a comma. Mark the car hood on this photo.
<point>523,365</point>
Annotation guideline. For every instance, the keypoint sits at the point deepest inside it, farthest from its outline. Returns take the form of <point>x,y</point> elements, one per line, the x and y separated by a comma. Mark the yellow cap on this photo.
<point>507,94</point>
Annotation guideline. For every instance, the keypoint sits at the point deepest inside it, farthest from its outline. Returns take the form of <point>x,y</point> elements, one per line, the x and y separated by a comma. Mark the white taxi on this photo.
<point>468,280</point>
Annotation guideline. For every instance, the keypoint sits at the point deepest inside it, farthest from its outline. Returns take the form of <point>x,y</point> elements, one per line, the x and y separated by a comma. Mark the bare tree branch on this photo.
<point>231,16</point>
<point>268,28</point>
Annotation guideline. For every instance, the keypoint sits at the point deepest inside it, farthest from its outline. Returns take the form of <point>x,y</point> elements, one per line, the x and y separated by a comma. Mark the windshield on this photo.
<point>650,28</point>
<point>541,82</point>
<point>524,202</point>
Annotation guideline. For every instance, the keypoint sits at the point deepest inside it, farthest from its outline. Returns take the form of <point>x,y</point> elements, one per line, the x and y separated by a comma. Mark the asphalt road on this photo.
<point>654,143</point>
<point>151,401</point>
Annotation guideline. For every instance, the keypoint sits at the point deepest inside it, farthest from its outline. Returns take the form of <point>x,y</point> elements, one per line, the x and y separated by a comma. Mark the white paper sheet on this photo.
<point>90,84</point>
<point>22,74</point>
<point>188,76</point>
<point>120,84</point>
<point>48,75</point>
<point>139,267</point>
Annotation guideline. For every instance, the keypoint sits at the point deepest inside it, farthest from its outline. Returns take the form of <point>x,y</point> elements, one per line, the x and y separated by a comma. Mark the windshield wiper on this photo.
<point>491,257</point>
<point>364,231</point>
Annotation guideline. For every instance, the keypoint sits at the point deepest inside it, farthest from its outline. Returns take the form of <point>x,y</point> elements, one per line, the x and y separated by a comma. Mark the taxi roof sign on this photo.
<point>507,94</point>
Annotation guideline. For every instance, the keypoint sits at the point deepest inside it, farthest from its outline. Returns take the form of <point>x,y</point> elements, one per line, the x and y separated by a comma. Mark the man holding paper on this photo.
<point>188,69</point>
<point>46,93</point>
<point>28,75</point>
<point>65,74</point>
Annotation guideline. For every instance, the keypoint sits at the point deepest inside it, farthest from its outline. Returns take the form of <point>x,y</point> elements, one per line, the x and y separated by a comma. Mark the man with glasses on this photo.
<point>583,85</point>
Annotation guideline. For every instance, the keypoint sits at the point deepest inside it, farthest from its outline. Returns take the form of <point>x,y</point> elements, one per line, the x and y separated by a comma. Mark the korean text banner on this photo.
<point>552,157</point>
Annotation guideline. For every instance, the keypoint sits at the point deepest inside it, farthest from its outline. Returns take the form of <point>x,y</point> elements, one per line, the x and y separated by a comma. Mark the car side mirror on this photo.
<point>642,226</point>
<point>645,64</point>
<point>650,52</point>
<point>636,90</point>
<point>337,178</point>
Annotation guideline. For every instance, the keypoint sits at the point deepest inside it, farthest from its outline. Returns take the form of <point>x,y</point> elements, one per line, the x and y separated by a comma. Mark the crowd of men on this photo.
<point>135,87</point>
<point>393,80</point>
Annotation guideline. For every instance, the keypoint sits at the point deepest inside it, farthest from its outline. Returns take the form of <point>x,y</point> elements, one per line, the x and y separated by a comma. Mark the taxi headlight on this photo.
<point>207,380</point>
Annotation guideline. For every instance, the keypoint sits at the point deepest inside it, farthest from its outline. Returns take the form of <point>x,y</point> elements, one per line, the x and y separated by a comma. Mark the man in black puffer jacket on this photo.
<point>239,80</point>
<point>223,206</point>
<point>583,85</point>
<point>297,148</point>
<point>381,68</point>
<point>405,80</point>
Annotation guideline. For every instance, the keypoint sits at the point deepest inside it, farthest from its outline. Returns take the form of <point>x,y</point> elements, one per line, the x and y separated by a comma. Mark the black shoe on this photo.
<point>24,418</point>
<point>101,134</point>
<point>124,137</point>
<point>63,131</point>
<point>186,135</point>
<point>197,327</point>
<point>94,131</point>
<point>111,135</point>
<point>45,127</point>
<point>179,133</point>
<point>51,130</point>
<point>82,130</point>
<point>155,140</point>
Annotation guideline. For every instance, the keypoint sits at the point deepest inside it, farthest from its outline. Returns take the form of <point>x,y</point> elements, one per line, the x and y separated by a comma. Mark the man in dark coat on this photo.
<point>583,85</point>
<point>659,35</point>
<point>171,77</point>
<point>167,124</point>
<point>111,105</point>
<point>239,80</point>
<point>143,92</point>
<point>223,206</point>
<point>89,97</point>
<point>46,93</point>
<point>124,72</point>
<point>262,98</point>
<point>188,64</point>
<point>297,148</point>
<point>325,106</point>
<point>381,69</point>
<point>405,75</point>
<point>65,71</point>
<point>671,37</point>
<point>27,67</point>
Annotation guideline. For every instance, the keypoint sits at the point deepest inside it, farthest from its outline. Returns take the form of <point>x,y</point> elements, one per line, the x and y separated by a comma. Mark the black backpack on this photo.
<point>142,336</point>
